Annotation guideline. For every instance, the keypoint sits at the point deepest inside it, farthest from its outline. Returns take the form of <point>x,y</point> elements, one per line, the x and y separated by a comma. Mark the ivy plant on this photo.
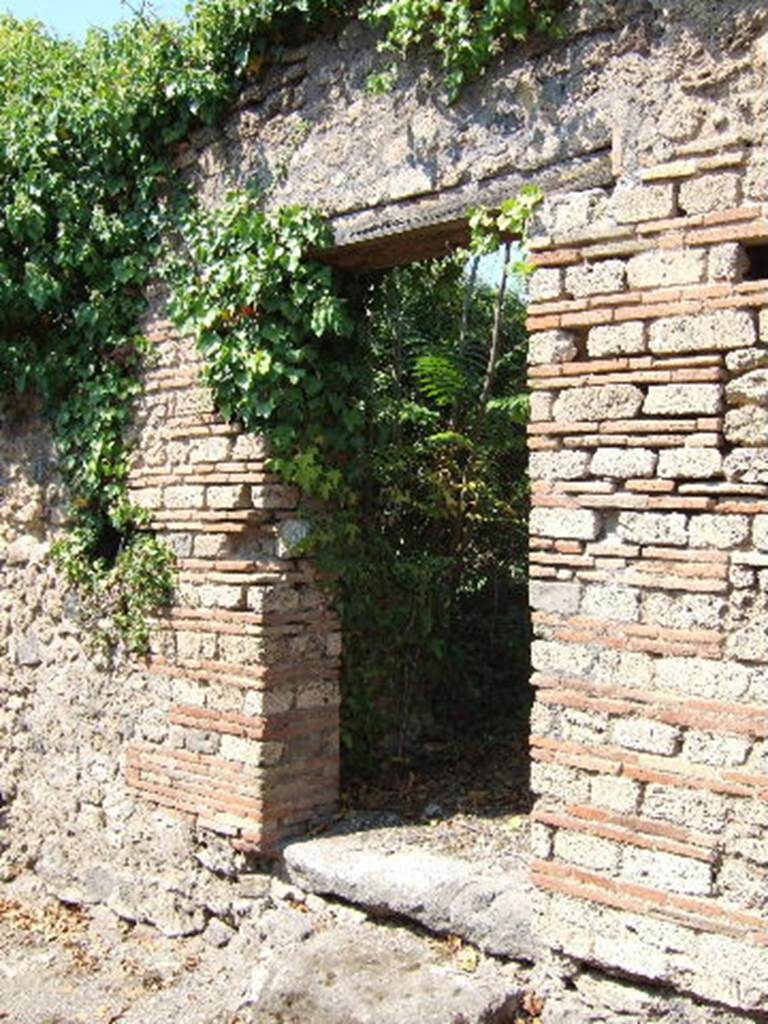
<point>87,192</point>
<point>397,399</point>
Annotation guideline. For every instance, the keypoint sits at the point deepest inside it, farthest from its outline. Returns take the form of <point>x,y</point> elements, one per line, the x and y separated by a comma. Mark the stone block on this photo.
<point>606,402</point>
<point>744,359</point>
<point>563,465</point>
<point>747,465</point>
<point>719,331</point>
<point>715,749</point>
<point>213,595</point>
<point>646,735</point>
<point>616,794</point>
<point>28,650</point>
<point>228,496</point>
<point>616,339</point>
<point>568,784</point>
<point>562,598</point>
<point>683,399</point>
<point>653,528</point>
<point>545,283</point>
<point>684,611</point>
<point>762,322</point>
<point>555,657</point>
<point>184,496</point>
<point>611,601</point>
<point>540,408</point>
<point>253,752</point>
<point>747,425</point>
<point>698,808</point>
<point>587,851</point>
<point>546,347</point>
<point>749,389</point>
<point>573,211</point>
<point>667,871</point>
<point>595,278</point>
<point>723,532</point>
<point>249,447</point>
<point>209,449</point>
<point>690,463</point>
<point>623,463</point>
<point>663,268</point>
<point>703,678</point>
<point>643,202</point>
<point>727,262</point>
<point>565,523</point>
<point>709,192</point>
<point>760,532</point>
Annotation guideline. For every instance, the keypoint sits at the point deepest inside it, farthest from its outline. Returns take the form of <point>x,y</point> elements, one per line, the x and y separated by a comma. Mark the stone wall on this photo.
<point>150,786</point>
<point>649,534</point>
<point>244,669</point>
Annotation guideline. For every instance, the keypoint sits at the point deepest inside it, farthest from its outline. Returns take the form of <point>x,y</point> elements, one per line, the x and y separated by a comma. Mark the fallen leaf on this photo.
<point>468,959</point>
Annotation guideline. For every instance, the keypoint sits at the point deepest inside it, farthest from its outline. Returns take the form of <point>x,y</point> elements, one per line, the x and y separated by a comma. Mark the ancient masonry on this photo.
<point>250,651</point>
<point>151,787</point>
<point>649,566</point>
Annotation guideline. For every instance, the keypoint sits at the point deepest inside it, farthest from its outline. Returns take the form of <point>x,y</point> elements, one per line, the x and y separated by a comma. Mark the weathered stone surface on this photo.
<point>551,347</point>
<point>653,528</point>
<point>546,283</point>
<point>595,278</point>
<point>642,734</point>
<point>684,611</point>
<point>716,749</point>
<point>562,598</point>
<point>751,388</point>
<point>715,680</point>
<point>727,262</point>
<point>28,650</point>
<point>715,531</point>
<point>361,975</point>
<point>442,893</point>
<point>719,331</point>
<point>564,465</point>
<point>744,359</point>
<point>608,402</point>
<point>587,851</point>
<point>661,269</point>
<point>611,601</point>
<point>616,339</point>
<point>683,399</point>
<point>643,202</point>
<point>690,463</point>
<point>668,871</point>
<point>623,463</point>
<point>747,425</point>
<point>710,192</point>
<point>580,524</point>
<point>748,465</point>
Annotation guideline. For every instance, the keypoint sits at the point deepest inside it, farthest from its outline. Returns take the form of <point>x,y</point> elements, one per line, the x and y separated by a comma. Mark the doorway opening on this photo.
<point>434,603</point>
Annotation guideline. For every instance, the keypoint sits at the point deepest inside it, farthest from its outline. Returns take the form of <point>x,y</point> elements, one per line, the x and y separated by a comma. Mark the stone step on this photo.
<point>366,973</point>
<point>447,895</point>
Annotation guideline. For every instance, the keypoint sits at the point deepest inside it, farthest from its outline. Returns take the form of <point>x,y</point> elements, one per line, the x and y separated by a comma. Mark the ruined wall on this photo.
<point>648,541</point>
<point>145,785</point>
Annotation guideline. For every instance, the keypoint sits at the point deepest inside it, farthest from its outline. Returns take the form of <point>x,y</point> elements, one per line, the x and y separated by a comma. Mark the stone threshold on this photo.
<point>444,894</point>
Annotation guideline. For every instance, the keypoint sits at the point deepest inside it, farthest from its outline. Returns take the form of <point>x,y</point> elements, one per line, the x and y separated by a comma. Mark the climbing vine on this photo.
<point>87,192</point>
<point>399,400</point>
<point>466,35</point>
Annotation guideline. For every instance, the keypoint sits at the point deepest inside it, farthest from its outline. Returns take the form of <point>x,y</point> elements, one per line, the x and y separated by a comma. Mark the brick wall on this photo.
<point>244,667</point>
<point>649,575</point>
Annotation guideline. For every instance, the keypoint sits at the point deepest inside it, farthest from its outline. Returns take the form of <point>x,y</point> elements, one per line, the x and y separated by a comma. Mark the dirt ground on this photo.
<point>70,965</point>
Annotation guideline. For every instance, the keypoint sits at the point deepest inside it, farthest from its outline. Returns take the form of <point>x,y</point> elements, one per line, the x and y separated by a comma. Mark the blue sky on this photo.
<point>74,17</point>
